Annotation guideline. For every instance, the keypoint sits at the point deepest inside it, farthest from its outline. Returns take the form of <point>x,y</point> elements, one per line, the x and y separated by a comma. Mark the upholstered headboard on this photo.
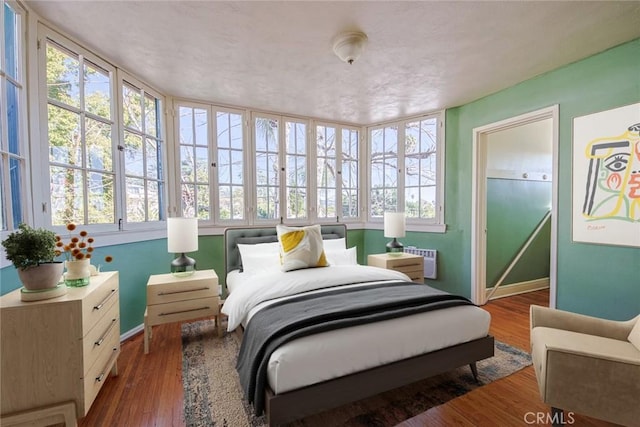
<point>252,236</point>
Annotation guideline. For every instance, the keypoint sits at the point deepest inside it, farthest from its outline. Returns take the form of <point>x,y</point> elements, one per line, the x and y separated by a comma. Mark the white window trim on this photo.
<point>120,77</point>
<point>435,225</point>
<point>42,156</point>
<point>246,157</point>
<point>22,80</point>
<point>313,156</point>
<point>108,233</point>
<point>39,154</point>
<point>283,176</point>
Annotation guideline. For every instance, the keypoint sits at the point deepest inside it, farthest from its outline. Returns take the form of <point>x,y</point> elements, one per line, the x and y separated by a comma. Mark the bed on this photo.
<point>352,362</point>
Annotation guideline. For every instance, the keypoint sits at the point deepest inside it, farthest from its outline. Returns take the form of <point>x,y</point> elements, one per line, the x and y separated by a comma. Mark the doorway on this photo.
<point>500,161</point>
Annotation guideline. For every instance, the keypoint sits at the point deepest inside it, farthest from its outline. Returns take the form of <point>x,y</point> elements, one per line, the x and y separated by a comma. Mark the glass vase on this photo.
<point>78,273</point>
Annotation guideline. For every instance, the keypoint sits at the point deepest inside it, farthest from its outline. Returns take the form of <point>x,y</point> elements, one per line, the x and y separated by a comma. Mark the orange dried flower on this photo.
<point>79,247</point>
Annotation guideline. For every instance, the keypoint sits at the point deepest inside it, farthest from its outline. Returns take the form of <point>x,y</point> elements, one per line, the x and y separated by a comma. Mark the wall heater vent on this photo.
<point>430,260</point>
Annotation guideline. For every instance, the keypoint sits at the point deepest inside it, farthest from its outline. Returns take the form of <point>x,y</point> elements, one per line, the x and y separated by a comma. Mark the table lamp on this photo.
<point>182,236</point>
<point>394,227</point>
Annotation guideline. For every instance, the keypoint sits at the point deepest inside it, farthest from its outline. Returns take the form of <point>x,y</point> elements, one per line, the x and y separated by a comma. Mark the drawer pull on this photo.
<point>102,338</point>
<point>184,311</point>
<point>104,301</point>
<point>100,377</point>
<point>182,291</point>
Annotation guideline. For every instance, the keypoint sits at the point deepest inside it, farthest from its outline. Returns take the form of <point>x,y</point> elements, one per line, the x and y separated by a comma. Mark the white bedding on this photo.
<point>263,286</point>
<point>341,352</point>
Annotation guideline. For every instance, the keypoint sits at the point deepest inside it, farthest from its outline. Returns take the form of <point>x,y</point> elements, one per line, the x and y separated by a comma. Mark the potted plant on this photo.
<point>32,252</point>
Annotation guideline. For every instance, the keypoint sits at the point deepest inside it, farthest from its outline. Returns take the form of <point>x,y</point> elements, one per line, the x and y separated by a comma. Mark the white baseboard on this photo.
<point>131,332</point>
<point>519,288</point>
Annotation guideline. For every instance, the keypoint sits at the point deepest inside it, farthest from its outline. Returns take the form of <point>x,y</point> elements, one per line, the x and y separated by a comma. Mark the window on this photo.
<point>337,155</point>
<point>405,171</point>
<point>384,170</point>
<point>296,169</point>
<point>350,173</point>
<point>219,195</point>
<point>420,168</point>
<point>267,170</point>
<point>80,135</point>
<point>12,117</point>
<point>281,167</point>
<point>106,150</point>
<point>230,165</point>
<point>143,153</point>
<point>194,162</point>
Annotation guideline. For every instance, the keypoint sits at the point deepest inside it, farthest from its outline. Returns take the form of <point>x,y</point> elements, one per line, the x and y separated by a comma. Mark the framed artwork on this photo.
<point>606,177</point>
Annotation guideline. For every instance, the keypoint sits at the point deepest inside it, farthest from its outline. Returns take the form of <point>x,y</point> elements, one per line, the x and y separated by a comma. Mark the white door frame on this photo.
<point>479,200</point>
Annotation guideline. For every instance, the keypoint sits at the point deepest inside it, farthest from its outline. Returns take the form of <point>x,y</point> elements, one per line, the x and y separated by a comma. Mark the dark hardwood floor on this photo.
<point>148,389</point>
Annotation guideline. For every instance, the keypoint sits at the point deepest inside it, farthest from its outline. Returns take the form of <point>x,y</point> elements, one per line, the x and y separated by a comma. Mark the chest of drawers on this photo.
<point>61,349</point>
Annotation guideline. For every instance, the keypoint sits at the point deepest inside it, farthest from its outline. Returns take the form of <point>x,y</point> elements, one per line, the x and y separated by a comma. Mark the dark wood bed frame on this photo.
<point>289,406</point>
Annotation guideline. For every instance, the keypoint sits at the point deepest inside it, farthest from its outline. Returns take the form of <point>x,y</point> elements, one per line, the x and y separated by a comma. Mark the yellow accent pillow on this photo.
<point>301,247</point>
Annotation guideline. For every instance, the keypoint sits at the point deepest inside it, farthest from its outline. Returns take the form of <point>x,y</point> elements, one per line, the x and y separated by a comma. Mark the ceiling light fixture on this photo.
<point>349,45</point>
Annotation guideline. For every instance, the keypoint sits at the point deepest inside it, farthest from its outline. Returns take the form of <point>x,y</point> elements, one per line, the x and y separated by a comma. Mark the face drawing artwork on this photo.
<point>613,177</point>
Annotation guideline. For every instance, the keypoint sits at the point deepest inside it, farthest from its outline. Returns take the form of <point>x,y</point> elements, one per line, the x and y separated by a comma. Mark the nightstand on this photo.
<point>177,299</point>
<point>409,264</point>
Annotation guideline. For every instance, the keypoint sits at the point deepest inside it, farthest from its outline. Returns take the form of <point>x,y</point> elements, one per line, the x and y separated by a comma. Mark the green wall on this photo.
<point>514,210</point>
<point>592,279</point>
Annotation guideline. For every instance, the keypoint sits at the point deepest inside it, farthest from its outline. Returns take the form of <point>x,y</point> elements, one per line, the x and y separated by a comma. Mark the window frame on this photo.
<point>282,183</point>
<point>246,156</point>
<point>176,202</point>
<point>339,128</point>
<point>437,223</point>
<point>44,35</point>
<point>121,185</point>
<point>213,160</point>
<point>21,83</point>
<point>108,232</point>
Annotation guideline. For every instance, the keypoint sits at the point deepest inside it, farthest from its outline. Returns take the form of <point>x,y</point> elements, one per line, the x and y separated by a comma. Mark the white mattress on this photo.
<point>313,359</point>
<point>333,354</point>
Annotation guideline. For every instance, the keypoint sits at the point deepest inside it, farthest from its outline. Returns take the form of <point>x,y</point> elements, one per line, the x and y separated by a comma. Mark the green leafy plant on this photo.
<point>30,247</point>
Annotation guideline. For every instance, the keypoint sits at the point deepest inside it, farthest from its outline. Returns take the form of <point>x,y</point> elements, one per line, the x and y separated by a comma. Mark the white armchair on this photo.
<point>587,365</point>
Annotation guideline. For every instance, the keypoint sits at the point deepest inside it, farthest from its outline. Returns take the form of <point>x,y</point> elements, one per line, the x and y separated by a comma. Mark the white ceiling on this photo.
<point>277,55</point>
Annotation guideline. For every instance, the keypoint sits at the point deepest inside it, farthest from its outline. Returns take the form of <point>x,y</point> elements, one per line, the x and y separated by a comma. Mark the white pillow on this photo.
<point>334,244</point>
<point>259,257</point>
<point>342,256</point>
<point>301,247</point>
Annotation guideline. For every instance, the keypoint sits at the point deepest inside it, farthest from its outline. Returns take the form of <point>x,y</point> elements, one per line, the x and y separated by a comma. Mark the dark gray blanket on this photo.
<point>308,314</point>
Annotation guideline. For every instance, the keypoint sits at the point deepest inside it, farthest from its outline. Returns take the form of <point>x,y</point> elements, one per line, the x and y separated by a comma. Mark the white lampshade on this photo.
<point>182,235</point>
<point>394,224</point>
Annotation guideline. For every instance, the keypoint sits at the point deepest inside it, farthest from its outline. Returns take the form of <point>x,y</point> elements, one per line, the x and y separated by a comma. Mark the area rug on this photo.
<point>213,397</point>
